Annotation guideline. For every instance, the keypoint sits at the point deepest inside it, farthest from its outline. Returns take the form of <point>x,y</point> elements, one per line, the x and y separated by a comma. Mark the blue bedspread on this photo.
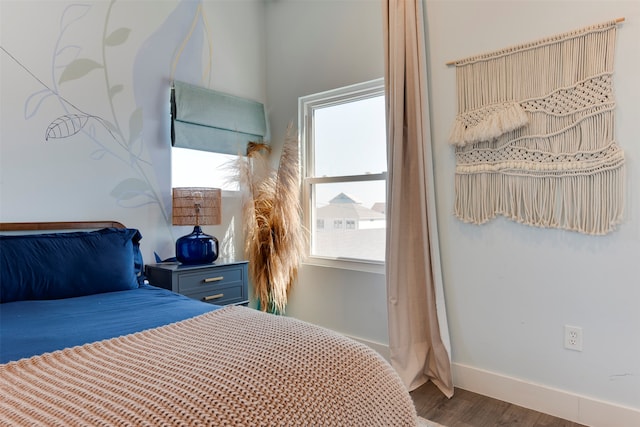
<point>28,328</point>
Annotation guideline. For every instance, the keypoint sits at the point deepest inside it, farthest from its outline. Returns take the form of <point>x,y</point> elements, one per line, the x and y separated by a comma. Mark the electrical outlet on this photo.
<point>573,337</point>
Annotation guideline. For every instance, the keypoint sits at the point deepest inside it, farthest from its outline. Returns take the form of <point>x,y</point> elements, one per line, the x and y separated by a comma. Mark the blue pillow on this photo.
<point>66,265</point>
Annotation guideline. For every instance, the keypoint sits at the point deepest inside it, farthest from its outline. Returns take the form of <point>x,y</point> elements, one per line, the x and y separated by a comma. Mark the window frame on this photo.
<point>306,106</point>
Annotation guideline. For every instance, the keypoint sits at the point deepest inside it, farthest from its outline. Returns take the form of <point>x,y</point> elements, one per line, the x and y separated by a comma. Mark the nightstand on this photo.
<point>223,283</point>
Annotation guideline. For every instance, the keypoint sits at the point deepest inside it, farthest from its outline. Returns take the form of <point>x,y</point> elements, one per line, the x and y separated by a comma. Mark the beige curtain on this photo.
<point>418,335</point>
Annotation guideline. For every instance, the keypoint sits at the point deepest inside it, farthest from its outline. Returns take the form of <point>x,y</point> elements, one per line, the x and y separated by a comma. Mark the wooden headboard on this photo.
<point>71,225</point>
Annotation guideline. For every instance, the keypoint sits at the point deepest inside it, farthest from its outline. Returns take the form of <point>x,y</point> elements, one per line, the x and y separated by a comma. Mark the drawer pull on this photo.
<point>213,279</point>
<point>212,297</point>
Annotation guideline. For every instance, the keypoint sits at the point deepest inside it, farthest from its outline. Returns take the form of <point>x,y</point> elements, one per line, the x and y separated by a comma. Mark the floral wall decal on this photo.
<point>66,126</point>
<point>85,128</point>
<point>121,136</point>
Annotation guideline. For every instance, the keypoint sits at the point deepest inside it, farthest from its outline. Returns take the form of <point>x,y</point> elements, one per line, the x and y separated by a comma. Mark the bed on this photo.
<point>84,340</point>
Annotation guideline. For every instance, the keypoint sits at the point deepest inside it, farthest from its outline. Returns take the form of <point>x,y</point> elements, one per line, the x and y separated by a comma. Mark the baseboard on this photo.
<point>559,403</point>
<point>382,349</point>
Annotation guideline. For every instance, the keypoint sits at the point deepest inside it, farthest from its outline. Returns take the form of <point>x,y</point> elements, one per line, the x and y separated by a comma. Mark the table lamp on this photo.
<point>197,206</point>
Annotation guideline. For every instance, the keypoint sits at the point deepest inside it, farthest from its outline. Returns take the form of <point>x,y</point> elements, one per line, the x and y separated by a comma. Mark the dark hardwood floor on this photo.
<point>467,409</point>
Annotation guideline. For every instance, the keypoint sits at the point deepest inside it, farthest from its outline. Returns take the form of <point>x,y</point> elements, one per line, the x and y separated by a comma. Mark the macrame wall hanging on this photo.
<point>534,134</point>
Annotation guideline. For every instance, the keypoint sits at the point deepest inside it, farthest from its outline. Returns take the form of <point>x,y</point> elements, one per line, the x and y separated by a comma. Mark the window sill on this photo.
<point>347,264</point>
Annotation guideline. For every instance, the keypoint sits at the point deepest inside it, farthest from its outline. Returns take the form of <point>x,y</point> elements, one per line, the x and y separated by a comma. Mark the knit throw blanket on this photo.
<point>233,366</point>
<point>534,134</point>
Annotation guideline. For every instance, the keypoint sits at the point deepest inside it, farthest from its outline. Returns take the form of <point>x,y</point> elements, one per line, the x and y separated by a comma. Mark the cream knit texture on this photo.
<point>234,366</point>
<point>534,135</point>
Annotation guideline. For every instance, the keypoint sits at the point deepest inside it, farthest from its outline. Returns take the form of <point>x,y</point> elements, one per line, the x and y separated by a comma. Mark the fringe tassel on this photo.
<point>471,127</point>
<point>590,204</point>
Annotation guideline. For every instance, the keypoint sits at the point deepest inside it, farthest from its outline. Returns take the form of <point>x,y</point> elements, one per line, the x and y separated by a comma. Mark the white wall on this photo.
<point>511,288</point>
<point>314,46</point>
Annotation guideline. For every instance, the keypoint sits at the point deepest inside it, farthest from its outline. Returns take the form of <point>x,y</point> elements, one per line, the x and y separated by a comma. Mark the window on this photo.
<point>196,168</point>
<point>344,170</point>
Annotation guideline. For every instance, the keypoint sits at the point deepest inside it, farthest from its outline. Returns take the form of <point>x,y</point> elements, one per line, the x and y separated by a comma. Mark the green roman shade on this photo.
<point>208,120</point>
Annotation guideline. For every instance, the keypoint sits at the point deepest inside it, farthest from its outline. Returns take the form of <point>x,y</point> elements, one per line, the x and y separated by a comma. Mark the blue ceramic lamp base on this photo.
<point>197,248</point>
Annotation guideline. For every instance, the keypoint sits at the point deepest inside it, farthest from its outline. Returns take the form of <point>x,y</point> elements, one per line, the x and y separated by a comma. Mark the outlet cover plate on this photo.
<point>573,337</point>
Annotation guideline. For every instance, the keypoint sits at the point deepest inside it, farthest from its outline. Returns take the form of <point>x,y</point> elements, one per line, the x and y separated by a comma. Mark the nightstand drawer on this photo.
<point>209,280</point>
<point>222,283</point>
<point>219,295</point>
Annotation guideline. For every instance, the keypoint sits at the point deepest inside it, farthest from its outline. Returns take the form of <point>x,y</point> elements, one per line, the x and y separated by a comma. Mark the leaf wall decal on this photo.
<point>129,188</point>
<point>118,37</point>
<point>66,126</point>
<point>135,125</point>
<point>110,126</point>
<point>115,89</point>
<point>66,55</point>
<point>72,14</point>
<point>33,102</point>
<point>98,154</point>
<point>78,68</point>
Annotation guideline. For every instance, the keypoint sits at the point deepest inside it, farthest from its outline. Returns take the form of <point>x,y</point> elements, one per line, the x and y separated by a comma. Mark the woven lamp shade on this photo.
<point>197,206</point>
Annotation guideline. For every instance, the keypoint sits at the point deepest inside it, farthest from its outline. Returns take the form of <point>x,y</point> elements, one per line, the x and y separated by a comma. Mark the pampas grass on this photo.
<point>272,223</point>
